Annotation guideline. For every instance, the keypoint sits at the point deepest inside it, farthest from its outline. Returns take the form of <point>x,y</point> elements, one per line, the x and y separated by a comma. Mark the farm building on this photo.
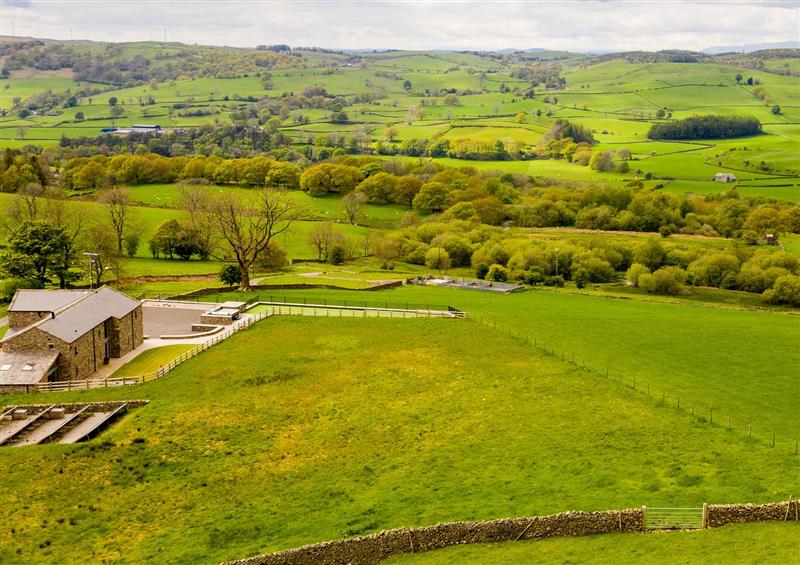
<point>725,177</point>
<point>770,239</point>
<point>58,335</point>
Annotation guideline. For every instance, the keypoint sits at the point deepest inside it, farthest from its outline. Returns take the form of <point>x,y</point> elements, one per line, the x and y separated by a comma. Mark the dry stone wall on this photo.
<point>377,547</point>
<point>724,514</point>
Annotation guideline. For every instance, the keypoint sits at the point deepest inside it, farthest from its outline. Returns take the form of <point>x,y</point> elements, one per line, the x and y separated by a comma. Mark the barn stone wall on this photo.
<point>18,320</point>
<point>127,333</point>
<point>77,360</point>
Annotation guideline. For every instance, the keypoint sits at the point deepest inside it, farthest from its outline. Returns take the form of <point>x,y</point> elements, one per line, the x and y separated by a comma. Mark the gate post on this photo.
<point>644,518</point>
<point>705,515</point>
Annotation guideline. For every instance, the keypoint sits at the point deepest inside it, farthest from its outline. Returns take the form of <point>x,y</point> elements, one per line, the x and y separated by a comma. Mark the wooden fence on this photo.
<point>61,386</point>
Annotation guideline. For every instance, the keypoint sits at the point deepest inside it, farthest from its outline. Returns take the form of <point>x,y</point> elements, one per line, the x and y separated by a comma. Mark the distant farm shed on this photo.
<point>724,177</point>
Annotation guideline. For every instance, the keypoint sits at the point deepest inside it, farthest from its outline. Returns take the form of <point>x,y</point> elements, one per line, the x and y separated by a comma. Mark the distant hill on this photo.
<point>749,48</point>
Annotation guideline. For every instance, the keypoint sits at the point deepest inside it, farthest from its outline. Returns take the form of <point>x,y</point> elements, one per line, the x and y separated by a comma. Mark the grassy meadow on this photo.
<point>686,350</point>
<point>314,444</point>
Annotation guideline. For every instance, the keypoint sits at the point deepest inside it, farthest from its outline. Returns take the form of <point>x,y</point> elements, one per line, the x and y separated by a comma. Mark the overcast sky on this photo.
<point>571,24</point>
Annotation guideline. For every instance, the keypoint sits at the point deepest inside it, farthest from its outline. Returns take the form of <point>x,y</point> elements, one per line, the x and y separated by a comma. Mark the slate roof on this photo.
<point>25,367</point>
<point>30,300</point>
<point>81,316</point>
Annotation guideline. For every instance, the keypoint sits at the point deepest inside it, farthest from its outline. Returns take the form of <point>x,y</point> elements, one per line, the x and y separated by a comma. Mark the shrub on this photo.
<point>666,280</point>
<point>556,280</point>
<point>635,273</point>
<point>650,253</point>
<point>230,275</point>
<point>437,258</point>
<point>711,270</point>
<point>497,273</point>
<point>592,269</point>
<point>132,243</point>
<point>482,270</point>
<point>273,258</point>
<point>337,254</point>
<point>786,290</point>
<point>458,248</point>
<point>9,287</point>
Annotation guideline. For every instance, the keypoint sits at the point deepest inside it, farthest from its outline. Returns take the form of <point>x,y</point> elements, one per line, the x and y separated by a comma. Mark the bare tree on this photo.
<point>352,204</point>
<point>320,238</point>
<point>197,201</point>
<point>117,202</point>
<point>247,227</point>
<point>98,239</point>
<point>385,249</point>
<point>25,206</point>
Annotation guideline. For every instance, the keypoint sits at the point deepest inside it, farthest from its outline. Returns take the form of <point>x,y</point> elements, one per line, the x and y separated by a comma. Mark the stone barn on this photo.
<point>59,335</point>
<point>724,177</point>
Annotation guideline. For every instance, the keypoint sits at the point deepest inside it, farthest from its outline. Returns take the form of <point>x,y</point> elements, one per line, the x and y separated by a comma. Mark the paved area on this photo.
<point>164,318</point>
<point>171,318</point>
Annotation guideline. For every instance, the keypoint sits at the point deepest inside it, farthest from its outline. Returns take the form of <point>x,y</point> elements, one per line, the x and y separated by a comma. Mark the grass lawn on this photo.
<point>791,242</point>
<point>150,360</point>
<point>360,425</point>
<point>332,280</point>
<point>764,543</point>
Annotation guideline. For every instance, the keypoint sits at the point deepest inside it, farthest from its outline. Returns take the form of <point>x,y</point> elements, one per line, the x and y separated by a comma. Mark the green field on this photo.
<point>682,350</point>
<point>151,360</point>
<point>314,444</point>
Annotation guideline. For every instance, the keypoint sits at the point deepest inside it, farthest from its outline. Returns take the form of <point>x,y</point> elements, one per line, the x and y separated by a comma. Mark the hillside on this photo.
<point>389,101</point>
<point>315,444</point>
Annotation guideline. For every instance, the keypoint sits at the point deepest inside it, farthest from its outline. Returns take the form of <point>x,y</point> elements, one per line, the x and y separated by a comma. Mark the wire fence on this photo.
<point>700,412</point>
<point>306,300</point>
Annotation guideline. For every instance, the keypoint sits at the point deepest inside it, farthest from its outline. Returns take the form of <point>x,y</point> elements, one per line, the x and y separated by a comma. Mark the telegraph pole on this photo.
<point>92,260</point>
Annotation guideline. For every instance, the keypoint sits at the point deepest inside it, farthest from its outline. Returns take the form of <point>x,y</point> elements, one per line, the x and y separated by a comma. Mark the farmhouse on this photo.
<point>724,177</point>
<point>57,335</point>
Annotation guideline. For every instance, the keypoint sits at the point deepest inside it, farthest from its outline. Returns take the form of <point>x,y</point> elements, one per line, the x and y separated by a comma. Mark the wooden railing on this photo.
<point>62,386</point>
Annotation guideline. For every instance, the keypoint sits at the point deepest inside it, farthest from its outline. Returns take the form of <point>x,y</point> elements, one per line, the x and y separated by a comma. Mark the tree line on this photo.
<point>706,127</point>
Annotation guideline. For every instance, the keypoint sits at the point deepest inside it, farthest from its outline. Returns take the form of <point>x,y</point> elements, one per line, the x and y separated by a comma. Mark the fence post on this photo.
<point>705,515</point>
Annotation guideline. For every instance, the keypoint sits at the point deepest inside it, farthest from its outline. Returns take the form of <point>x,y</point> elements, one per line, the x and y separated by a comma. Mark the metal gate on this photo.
<point>673,518</point>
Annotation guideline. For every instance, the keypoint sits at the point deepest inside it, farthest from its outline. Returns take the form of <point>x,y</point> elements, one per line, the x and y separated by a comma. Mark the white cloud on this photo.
<point>404,24</point>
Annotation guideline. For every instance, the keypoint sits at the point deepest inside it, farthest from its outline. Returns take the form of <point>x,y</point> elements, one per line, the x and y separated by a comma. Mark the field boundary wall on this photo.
<point>374,548</point>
